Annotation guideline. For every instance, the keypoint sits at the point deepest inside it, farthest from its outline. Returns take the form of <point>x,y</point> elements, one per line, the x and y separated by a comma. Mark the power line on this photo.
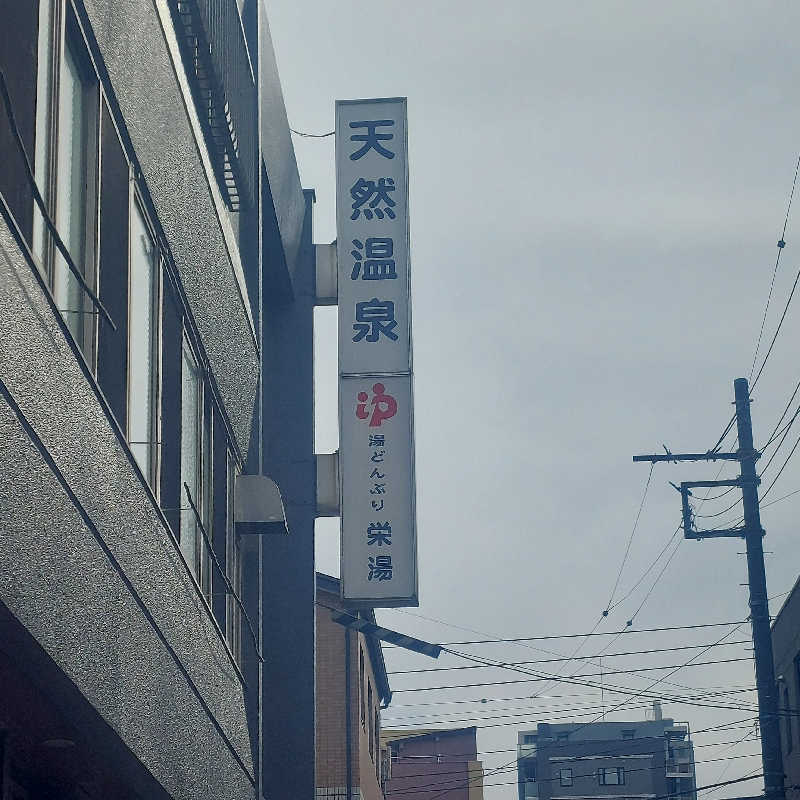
<point>785,432</point>
<point>312,135</point>
<point>655,582</point>
<point>781,245</point>
<point>647,571</point>
<point>453,785</point>
<point>630,538</point>
<point>557,709</point>
<point>565,658</point>
<point>727,766</point>
<point>664,677</point>
<point>777,331</point>
<point>719,513</point>
<point>785,411</point>
<point>657,768</point>
<point>728,726</point>
<point>631,632</point>
<point>572,679</point>
<point>469,756</point>
<point>733,689</point>
<point>746,776</point>
<point>778,500</point>
<point>783,467</point>
<point>503,767</point>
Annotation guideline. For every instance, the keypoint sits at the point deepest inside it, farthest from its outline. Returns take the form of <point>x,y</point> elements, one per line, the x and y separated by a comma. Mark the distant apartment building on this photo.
<point>352,687</point>
<point>786,651</point>
<point>637,760</point>
<point>427,764</point>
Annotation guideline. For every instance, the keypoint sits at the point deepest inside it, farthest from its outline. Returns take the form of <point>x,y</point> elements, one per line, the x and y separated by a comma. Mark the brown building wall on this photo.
<point>439,764</point>
<point>331,713</point>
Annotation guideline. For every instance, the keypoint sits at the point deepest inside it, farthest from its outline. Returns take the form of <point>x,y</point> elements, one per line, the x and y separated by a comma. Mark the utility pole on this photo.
<point>752,533</point>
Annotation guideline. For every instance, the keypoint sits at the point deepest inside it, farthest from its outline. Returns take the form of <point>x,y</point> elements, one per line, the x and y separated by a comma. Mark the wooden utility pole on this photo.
<point>752,533</point>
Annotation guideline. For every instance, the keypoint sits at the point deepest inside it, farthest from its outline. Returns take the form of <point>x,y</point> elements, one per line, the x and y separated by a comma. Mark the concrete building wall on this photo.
<point>159,114</point>
<point>97,578</point>
<point>332,709</point>
<point>111,624</point>
<point>605,760</point>
<point>435,763</point>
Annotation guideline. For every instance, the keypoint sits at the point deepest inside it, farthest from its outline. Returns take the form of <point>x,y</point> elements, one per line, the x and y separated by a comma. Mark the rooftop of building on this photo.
<point>788,601</point>
<point>603,730</point>
<point>388,736</point>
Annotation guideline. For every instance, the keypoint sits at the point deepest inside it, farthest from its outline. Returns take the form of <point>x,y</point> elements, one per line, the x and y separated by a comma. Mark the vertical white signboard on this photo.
<point>376,450</point>
<point>372,236</point>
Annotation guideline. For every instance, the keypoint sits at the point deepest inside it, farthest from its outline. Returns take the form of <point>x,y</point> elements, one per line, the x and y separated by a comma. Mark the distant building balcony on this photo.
<point>531,790</point>
<point>526,750</point>
<point>679,752</point>
<point>221,75</point>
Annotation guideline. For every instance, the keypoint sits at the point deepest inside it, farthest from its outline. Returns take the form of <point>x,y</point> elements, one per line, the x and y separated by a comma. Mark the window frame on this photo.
<point>50,25</point>
<point>370,707</point>
<point>362,698</point>
<point>604,772</point>
<point>186,512</point>
<point>66,34</point>
<point>796,679</point>
<point>152,474</point>
<point>787,719</point>
<point>233,566</point>
<point>378,741</point>
<point>565,779</point>
<point>206,501</point>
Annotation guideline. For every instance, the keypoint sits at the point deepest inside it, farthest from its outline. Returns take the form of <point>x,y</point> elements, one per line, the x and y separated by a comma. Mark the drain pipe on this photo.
<point>348,715</point>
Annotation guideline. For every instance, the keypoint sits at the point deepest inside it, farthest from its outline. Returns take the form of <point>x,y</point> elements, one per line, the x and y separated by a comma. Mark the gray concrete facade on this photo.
<point>636,760</point>
<point>786,652</point>
<point>106,615</point>
<point>158,116</point>
<point>90,568</point>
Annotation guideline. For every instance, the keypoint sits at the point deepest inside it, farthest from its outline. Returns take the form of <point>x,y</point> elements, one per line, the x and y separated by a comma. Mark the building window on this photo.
<point>233,567</point>
<point>565,776</point>
<point>562,737</point>
<point>75,177</point>
<point>371,721</point>
<point>191,403</point>
<point>529,770</point>
<point>377,743</point>
<point>529,738</point>
<point>207,499</point>
<point>628,734</point>
<point>796,681</point>
<point>611,776</point>
<point>44,123</point>
<point>142,344</point>
<point>197,483</point>
<point>361,686</point>
<point>787,720</point>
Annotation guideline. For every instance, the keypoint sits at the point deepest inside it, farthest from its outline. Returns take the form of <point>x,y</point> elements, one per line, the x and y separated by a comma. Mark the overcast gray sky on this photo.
<point>597,189</point>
